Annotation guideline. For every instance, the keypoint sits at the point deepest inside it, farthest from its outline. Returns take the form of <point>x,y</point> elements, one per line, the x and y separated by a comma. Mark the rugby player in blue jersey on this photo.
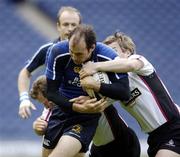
<point>68,18</point>
<point>65,60</point>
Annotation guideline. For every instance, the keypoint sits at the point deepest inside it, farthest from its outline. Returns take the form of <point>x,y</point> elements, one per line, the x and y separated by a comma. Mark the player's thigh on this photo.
<point>166,153</point>
<point>67,146</point>
<point>46,152</point>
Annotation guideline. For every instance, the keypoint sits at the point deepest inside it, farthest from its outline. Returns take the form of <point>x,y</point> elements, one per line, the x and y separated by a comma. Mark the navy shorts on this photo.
<point>166,136</point>
<point>80,126</point>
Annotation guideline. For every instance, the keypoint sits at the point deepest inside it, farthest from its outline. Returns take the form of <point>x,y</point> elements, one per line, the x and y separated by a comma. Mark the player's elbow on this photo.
<point>24,73</point>
<point>131,67</point>
<point>134,65</point>
<point>122,95</point>
<point>124,92</point>
<point>126,95</point>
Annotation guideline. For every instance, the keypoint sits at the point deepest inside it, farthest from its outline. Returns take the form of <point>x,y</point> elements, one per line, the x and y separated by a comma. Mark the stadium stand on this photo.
<point>18,43</point>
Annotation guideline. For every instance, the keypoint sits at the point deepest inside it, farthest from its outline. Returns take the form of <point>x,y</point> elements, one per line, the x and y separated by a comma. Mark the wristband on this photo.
<point>24,96</point>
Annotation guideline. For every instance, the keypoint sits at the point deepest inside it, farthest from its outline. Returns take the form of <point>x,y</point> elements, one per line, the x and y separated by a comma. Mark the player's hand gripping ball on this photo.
<point>100,77</point>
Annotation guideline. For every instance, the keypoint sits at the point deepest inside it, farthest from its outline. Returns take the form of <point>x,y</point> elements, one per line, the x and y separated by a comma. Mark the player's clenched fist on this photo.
<point>39,126</point>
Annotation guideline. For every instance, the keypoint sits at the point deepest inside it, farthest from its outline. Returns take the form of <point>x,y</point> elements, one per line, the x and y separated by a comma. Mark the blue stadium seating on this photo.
<point>18,42</point>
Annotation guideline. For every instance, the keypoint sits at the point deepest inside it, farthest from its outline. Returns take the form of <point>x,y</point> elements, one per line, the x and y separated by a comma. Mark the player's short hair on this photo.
<point>69,9</point>
<point>86,32</point>
<point>39,86</point>
<point>124,41</point>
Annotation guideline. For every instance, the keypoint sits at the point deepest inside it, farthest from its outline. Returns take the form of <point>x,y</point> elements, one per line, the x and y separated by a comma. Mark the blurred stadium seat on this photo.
<point>18,42</point>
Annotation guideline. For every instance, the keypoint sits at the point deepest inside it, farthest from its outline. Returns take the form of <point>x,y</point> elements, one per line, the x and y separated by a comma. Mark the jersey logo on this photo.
<point>46,142</point>
<point>77,128</point>
<point>134,94</point>
<point>75,82</point>
<point>77,69</point>
<point>170,143</point>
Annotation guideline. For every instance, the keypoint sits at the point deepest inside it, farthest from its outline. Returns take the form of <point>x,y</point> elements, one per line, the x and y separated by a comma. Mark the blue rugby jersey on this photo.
<point>39,57</point>
<point>61,67</point>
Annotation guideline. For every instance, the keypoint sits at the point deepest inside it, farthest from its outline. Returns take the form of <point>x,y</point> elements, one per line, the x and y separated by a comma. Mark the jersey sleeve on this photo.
<point>147,69</point>
<point>38,59</point>
<point>55,61</point>
<point>55,69</point>
<point>119,86</point>
<point>105,53</point>
<point>46,113</point>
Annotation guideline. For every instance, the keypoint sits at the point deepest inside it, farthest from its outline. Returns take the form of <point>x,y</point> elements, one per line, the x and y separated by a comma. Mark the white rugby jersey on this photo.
<point>46,113</point>
<point>103,133</point>
<point>150,103</point>
<point>111,127</point>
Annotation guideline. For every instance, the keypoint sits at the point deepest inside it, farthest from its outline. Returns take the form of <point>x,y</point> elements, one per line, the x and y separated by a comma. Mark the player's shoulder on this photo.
<point>104,51</point>
<point>40,54</point>
<point>147,68</point>
<point>140,57</point>
<point>60,48</point>
<point>45,46</point>
<point>63,44</point>
<point>102,46</point>
<point>137,56</point>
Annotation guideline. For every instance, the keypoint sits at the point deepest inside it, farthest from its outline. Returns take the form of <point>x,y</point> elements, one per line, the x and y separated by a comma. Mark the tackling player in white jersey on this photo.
<point>150,103</point>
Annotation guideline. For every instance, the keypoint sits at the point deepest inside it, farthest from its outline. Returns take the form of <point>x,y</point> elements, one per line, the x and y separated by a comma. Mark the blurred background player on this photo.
<point>150,103</point>
<point>68,18</point>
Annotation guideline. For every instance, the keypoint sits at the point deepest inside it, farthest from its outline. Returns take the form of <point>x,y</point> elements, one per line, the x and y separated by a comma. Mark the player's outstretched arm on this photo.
<point>23,87</point>
<point>119,65</point>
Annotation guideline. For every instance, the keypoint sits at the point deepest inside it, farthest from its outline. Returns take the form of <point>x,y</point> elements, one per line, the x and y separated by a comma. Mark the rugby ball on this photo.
<point>100,77</point>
